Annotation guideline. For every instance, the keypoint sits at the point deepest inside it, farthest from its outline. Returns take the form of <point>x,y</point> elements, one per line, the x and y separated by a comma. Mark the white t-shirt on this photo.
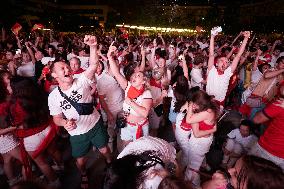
<point>108,87</point>
<point>46,59</point>
<point>196,77</point>
<point>256,76</point>
<point>217,85</point>
<point>76,76</point>
<point>26,69</point>
<point>202,45</point>
<point>273,61</point>
<point>245,142</point>
<point>146,95</point>
<point>79,92</point>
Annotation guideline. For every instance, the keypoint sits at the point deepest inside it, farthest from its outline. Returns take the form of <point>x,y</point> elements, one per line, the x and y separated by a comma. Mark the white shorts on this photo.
<point>7,143</point>
<point>129,132</point>
<point>31,143</point>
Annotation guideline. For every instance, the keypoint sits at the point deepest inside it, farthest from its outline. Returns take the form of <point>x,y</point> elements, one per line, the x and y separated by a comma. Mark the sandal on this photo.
<point>84,182</point>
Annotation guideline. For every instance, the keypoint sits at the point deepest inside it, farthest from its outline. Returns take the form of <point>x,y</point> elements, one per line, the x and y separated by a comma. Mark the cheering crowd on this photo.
<point>118,95</point>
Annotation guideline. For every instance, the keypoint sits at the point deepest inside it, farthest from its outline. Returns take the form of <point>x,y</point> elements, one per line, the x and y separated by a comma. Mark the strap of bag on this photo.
<point>65,96</point>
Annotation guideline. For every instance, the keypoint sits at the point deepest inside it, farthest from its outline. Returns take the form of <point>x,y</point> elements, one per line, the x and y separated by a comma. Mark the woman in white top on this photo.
<point>138,101</point>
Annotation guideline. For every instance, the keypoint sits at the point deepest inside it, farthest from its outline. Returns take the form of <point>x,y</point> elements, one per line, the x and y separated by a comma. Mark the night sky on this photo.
<point>166,2</point>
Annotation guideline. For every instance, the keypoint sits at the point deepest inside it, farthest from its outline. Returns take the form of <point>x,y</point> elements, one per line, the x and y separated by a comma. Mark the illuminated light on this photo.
<point>148,28</point>
<point>92,26</point>
<point>80,26</point>
<point>46,29</point>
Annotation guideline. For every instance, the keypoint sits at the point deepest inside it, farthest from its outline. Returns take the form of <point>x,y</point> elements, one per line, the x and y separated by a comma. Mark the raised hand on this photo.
<point>111,50</point>
<point>246,34</point>
<point>27,44</point>
<point>100,49</point>
<point>155,43</point>
<point>90,40</point>
<point>215,31</point>
<point>143,51</point>
<point>277,42</point>
<point>259,52</point>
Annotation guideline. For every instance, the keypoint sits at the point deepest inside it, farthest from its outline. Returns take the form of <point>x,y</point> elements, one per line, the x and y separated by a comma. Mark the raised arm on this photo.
<point>100,54</point>
<point>18,42</point>
<point>251,40</point>
<point>242,49</point>
<point>163,41</point>
<point>236,38</point>
<point>211,53</point>
<point>223,46</point>
<point>231,52</point>
<point>94,58</point>
<point>143,61</point>
<point>271,74</point>
<point>184,67</point>
<point>30,51</point>
<point>243,58</point>
<point>152,60</point>
<point>274,45</point>
<point>114,68</point>
<point>254,65</point>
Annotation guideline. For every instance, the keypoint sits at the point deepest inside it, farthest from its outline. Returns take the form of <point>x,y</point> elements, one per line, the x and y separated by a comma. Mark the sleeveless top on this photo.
<point>202,125</point>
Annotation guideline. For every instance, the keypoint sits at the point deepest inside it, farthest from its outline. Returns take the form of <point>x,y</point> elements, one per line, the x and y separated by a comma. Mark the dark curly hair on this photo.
<point>181,91</point>
<point>204,101</point>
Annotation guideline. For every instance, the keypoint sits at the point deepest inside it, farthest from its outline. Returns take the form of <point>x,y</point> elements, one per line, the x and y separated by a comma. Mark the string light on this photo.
<point>153,28</point>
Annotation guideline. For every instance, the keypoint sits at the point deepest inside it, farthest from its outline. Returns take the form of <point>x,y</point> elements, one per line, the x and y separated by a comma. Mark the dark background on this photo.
<point>234,15</point>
